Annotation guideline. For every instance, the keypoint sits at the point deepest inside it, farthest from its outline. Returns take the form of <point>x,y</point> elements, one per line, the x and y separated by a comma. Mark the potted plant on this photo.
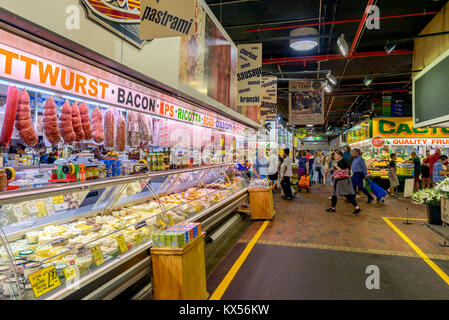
<point>431,198</point>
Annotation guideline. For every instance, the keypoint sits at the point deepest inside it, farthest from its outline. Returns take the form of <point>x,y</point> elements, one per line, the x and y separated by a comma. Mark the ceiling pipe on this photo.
<point>334,57</point>
<point>350,93</point>
<point>360,28</point>
<point>230,2</point>
<point>397,16</point>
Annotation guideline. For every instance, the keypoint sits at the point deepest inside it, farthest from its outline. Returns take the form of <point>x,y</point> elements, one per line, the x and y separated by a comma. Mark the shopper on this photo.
<point>342,184</point>
<point>286,173</point>
<point>439,172</point>
<point>432,159</point>
<point>51,158</point>
<point>392,174</point>
<point>316,170</point>
<point>260,164</point>
<point>325,169</point>
<point>347,153</point>
<point>273,166</point>
<point>425,175</point>
<point>417,169</point>
<point>359,173</point>
<point>303,165</point>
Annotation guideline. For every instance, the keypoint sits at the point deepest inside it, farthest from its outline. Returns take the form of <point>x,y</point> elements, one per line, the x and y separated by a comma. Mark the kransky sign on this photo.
<point>166,18</point>
<point>119,16</point>
<point>21,67</point>
<point>269,105</point>
<point>249,74</point>
<point>306,103</point>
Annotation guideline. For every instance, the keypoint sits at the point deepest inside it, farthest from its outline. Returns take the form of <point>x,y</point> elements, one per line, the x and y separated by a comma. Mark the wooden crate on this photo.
<point>261,204</point>
<point>180,273</point>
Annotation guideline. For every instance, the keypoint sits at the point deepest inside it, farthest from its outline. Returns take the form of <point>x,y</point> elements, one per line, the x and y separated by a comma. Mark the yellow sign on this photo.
<point>139,238</point>
<point>358,133</point>
<point>403,128</point>
<point>41,209</point>
<point>122,244</point>
<point>44,281</point>
<point>58,199</point>
<point>98,256</point>
<point>161,222</point>
<point>69,273</point>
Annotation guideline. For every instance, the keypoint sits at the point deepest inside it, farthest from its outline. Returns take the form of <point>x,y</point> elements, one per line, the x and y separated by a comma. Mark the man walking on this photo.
<point>359,173</point>
<point>286,173</point>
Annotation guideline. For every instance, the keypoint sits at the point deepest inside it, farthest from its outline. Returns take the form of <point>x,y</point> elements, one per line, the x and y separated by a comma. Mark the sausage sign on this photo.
<point>22,67</point>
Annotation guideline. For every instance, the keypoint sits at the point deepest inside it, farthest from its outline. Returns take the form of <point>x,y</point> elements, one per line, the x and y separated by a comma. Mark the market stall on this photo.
<point>129,160</point>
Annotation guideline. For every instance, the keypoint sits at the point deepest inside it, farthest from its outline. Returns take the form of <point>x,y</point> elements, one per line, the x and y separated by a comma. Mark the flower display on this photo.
<point>430,197</point>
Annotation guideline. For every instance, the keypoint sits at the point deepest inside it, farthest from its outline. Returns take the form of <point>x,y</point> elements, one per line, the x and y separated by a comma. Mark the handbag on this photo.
<point>341,174</point>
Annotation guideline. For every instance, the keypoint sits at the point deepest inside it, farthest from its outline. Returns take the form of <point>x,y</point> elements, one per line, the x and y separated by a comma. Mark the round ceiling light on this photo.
<point>302,39</point>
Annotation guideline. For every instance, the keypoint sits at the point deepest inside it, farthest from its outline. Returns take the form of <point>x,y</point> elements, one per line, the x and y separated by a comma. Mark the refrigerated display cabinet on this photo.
<point>91,239</point>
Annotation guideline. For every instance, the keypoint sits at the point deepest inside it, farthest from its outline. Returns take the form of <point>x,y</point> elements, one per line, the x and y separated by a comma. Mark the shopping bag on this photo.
<point>377,190</point>
<point>304,182</point>
<point>367,187</point>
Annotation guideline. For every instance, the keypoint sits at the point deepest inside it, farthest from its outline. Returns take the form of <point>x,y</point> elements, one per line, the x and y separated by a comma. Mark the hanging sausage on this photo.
<point>12,102</point>
<point>65,124</point>
<point>24,123</point>
<point>51,129</point>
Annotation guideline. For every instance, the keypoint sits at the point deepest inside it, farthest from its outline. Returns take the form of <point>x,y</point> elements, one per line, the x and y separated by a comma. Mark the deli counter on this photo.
<point>97,234</point>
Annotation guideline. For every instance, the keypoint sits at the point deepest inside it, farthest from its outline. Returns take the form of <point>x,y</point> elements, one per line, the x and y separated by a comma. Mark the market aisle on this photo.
<point>307,253</point>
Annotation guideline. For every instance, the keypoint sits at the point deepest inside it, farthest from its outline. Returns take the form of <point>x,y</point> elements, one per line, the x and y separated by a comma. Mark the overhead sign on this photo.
<point>21,67</point>
<point>302,133</point>
<point>306,103</point>
<point>418,142</point>
<point>403,128</point>
<point>358,133</point>
<point>121,17</point>
<point>166,18</point>
<point>269,105</point>
<point>249,74</point>
<point>378,142</point>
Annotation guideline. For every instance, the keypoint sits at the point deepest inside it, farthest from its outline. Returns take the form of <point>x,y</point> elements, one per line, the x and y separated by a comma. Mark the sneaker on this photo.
<point>331,210</point>
<point>357,211</point>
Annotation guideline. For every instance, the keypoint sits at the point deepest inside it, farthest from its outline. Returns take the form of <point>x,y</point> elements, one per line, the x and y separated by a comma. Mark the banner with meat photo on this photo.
<point>306,103</point>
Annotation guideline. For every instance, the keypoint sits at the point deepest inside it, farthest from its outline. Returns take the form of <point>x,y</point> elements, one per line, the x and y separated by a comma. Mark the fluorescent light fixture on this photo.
<point>300,40</point>
<point>327,87</point>
<point>310,125</point>
<point>368,81</point>
<point>29,88</point>
<point>331,78</point>
<point>72,98</point>
<point>343,45</point>
<point>390,47</point>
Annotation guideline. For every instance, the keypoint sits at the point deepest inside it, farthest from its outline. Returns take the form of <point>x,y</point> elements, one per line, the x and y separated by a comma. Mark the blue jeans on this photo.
<point>357,182</point>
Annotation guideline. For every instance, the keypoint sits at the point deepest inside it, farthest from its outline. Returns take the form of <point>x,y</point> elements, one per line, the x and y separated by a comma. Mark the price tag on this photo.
<point>44,281</point>
<point>69,273</point>
<point>41,209</point>
<point>122,244</point>
<point>139,238</point>
<point>58,199</point>
<point>98,256</point>
<point>61,206</point>
<point>161,222</point>
<point>170,220</point>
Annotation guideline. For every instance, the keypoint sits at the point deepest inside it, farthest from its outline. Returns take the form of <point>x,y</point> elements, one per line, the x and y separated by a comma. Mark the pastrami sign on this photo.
<point>22,67</point>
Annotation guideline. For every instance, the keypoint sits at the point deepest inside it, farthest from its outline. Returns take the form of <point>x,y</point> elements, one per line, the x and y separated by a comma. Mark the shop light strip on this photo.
<point>21,86</point>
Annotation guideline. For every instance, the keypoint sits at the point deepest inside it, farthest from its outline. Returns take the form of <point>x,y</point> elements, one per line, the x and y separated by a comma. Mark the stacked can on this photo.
<point>177,236</point>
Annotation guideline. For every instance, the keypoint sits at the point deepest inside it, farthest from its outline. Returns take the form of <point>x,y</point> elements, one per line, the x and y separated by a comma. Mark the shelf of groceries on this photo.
<point>378,167</point>
<point>81,227</point>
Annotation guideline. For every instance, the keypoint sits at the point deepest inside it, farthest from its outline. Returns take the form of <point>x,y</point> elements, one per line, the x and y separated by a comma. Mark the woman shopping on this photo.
<point>342,184</point>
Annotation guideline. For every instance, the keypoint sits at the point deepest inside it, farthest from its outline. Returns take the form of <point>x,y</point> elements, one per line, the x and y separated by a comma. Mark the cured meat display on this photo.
<point>109,124</point>
<point>97,126</point>
<point>85,121</point>
<point>145,127</point>
<point>12,101</point>
<point>23,120</point>
<point>76,122</point>
<point>132,136</point>
<point>65,124</point>
<point>51,129</point>
<point>120,136</point>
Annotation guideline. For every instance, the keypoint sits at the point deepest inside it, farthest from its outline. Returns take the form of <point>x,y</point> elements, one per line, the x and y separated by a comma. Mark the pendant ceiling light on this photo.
<point>303,39</point>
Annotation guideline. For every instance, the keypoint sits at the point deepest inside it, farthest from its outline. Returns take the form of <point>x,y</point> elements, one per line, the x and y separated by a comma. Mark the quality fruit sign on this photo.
<point>378,142</point>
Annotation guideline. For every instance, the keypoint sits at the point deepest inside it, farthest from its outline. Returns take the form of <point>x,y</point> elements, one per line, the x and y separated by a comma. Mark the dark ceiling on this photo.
<point>246,21</point>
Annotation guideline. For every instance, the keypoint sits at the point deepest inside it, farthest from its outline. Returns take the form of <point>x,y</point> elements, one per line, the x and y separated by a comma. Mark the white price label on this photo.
<point>61,206</point>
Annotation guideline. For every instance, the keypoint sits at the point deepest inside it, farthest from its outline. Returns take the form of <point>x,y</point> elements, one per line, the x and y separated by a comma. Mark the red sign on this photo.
<point>378,142</point>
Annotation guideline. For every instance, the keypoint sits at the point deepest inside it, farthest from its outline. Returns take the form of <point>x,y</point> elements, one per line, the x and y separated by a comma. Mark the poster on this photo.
<point>166,18</point>
<point>306,103</point>
<point>249,74</point>
<point>268,107</point>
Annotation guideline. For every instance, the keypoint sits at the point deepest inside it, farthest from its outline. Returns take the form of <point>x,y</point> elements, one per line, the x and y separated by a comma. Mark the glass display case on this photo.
<point>56,240</point>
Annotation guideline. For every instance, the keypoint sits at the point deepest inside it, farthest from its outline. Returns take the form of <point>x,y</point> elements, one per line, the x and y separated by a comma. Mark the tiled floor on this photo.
<point>303,224</point>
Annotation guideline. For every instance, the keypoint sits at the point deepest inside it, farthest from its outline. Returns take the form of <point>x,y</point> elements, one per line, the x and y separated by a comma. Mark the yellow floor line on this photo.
<point>437,269</point>
<point>218,293</point>
<point>395,218</point>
